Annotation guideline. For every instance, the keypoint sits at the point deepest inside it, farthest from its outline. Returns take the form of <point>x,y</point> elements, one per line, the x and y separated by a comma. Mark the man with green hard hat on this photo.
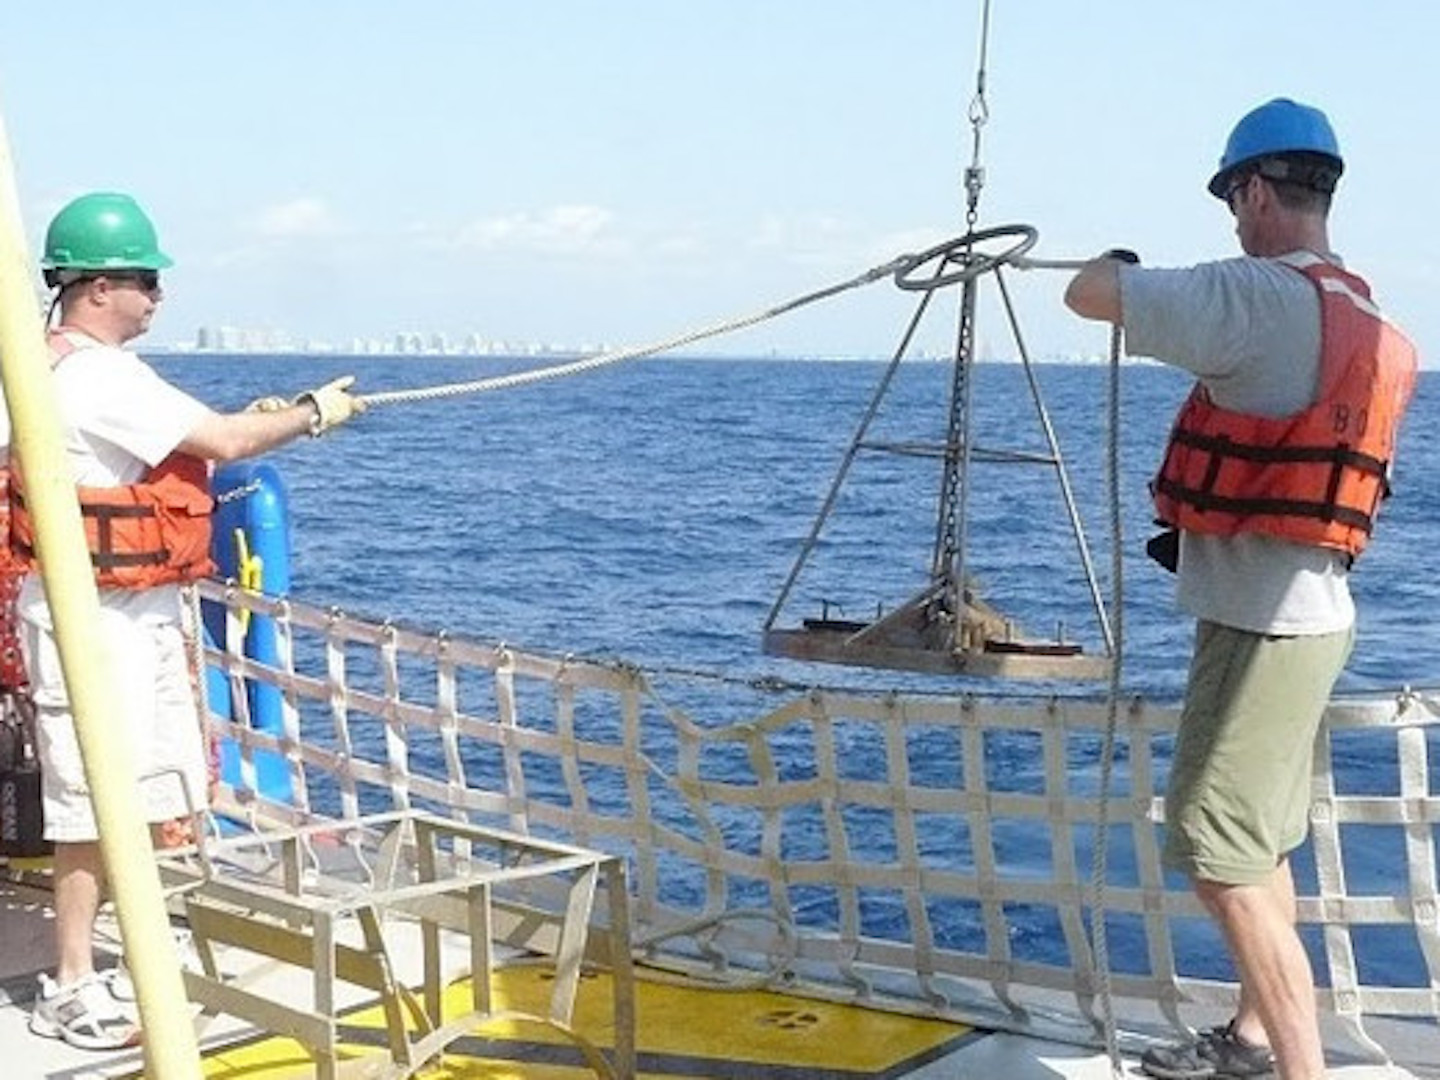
<point>134,441</point>
<point>1269,489</point>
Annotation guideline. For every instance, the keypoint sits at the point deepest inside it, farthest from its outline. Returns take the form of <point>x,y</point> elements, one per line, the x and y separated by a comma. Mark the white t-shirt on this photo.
<point>1250,330</point>
<point>120,419</point>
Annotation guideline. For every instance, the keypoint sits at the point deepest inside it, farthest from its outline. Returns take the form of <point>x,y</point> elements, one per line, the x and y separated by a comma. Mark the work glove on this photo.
<point>333,404</point>
<point>271,403</point>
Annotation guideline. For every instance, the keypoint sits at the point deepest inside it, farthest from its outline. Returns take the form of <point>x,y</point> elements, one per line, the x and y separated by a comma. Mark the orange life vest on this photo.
<point>1317,476</point>
<point>141,535</point>
<point>12,666</point>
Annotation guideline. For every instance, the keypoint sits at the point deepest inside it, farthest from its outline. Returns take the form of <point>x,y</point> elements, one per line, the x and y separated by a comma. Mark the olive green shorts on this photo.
<point>1239,795</point>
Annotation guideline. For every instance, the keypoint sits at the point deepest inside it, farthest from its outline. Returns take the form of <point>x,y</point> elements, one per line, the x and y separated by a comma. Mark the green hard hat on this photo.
<point>104,230</point>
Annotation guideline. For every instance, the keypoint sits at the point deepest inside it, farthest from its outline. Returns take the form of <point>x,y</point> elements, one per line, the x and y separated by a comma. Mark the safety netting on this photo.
<point>918,852</point>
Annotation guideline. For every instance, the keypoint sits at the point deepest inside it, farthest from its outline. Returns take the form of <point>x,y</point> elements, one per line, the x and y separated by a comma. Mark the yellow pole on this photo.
<point>171,1051</point>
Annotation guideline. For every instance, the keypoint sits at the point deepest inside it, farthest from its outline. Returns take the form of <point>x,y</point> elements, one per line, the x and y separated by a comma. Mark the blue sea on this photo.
<point>651,510</point>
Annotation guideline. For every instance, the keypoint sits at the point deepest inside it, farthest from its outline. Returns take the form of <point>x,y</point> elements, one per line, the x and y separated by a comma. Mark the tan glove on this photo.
<point>272,403</point>
<point>332,404</point>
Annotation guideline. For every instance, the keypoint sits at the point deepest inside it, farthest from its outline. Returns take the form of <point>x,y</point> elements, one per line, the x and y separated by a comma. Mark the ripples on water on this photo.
<point>651,511</point>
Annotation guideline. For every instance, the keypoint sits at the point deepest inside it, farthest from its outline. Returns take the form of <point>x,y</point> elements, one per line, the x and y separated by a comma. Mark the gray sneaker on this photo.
<point>83,1014</point>
<point>1218,1052</point>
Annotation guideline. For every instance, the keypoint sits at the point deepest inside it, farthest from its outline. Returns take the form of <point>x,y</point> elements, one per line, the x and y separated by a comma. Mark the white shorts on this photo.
<point>157,705</point>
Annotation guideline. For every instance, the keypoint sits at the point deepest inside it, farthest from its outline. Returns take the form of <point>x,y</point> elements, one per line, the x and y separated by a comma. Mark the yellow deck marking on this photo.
<point>682,1032</point>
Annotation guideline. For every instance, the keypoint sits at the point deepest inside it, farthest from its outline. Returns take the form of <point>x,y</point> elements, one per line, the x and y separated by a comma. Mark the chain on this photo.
<point>950,545</point>
<point>949,558</point>
<point>978,114</point>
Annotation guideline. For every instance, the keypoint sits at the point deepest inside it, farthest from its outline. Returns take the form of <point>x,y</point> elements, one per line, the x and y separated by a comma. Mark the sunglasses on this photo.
<point>1236,186</point>
<point>145,280</point>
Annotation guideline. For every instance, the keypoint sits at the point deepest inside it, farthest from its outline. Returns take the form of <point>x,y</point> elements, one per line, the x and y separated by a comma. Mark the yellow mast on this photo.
<point>171,1051</point>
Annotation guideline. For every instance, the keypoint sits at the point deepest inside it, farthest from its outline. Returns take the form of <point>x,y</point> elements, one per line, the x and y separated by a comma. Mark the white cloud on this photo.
<point>830,242</point>
<point>910,241</point>
<point>298,218</point>
<point>811,233</point>
<point>560,229</point>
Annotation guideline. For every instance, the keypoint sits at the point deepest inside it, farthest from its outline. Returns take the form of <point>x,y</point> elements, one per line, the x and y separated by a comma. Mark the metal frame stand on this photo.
<point>275,895</point>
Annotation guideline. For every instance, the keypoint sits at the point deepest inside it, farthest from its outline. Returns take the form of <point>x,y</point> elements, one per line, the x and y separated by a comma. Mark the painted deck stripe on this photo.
<point>563,1055</point>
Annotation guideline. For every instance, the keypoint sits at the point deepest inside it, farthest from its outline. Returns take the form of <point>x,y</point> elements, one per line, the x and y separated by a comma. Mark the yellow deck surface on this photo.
<point>681,1032</point>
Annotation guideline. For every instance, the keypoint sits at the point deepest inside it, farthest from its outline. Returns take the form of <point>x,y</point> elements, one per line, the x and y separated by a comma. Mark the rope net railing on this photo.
<point>922,853</point>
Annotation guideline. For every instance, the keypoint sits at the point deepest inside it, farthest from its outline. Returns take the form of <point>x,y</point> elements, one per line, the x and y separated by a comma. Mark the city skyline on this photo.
<point>236,339</point>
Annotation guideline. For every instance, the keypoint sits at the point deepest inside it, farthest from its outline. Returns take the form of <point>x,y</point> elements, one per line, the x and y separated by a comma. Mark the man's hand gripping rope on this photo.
<point>333,404</point>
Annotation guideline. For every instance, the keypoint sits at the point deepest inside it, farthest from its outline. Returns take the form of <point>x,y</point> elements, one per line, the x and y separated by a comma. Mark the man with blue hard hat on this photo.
<point>1268,491</point>
<point>1281,140</point>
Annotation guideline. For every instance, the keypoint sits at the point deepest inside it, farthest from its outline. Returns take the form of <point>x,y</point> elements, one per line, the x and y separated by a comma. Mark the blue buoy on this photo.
<point>251,532</point>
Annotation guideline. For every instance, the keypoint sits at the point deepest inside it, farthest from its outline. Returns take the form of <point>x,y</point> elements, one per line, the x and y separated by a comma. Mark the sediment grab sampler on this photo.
<point>946,627</point>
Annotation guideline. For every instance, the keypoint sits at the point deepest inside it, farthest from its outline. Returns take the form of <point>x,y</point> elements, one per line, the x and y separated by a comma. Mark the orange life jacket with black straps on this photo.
<point>154,532</point>
<point>1315,477</point>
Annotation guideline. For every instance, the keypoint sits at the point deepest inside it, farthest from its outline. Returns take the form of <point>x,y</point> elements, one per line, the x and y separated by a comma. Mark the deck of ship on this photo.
<point>756,1034</point>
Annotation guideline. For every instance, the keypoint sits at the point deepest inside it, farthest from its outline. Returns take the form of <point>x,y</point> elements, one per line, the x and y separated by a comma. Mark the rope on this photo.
<point>195,643</point>
<point>1024,262</point>
<point>591,363</point>
<point>672,971</point>
<point>1098,932</point>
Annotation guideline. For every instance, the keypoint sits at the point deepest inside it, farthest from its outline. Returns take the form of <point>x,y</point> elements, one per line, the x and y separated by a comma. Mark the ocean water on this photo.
<point>651,511</point>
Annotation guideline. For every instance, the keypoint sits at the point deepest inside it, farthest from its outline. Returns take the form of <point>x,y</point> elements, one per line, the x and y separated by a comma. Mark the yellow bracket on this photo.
<point>249,572</point>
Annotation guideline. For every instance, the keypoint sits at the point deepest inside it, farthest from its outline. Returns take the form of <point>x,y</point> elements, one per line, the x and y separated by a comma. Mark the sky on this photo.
<point>620,173</point>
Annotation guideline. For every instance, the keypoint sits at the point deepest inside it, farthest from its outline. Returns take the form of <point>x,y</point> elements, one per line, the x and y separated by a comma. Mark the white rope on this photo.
<point>1098,930</point>
<point>590,363</point>
<point>194,634</point>
<point>1025,262</point>
<point>713,969</point>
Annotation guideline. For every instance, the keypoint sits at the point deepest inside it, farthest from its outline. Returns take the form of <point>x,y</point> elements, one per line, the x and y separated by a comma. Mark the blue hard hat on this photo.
<point>1282,127</point>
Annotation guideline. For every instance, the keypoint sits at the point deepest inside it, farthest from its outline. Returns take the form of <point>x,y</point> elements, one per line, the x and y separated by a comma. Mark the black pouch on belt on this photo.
<point>1164,548</point>
<point>22,825</point>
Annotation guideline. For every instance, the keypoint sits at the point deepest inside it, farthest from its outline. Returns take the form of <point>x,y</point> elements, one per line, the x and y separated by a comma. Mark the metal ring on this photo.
<point>975,264</point>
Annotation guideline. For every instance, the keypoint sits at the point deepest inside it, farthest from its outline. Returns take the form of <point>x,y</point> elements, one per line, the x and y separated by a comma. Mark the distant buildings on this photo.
<point>232,339</point>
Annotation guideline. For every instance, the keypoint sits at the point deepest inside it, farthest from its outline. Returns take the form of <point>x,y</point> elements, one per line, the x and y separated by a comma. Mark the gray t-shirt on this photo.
<point>1249,329</point>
